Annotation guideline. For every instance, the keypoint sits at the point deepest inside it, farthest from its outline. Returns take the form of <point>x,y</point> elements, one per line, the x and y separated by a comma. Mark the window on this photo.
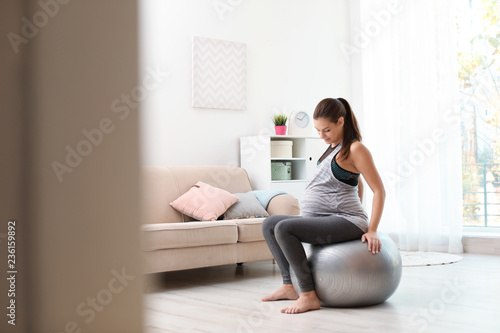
<point>479,75</point>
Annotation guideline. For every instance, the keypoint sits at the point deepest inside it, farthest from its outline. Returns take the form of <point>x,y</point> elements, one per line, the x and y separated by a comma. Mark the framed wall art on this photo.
<point>219,74</point>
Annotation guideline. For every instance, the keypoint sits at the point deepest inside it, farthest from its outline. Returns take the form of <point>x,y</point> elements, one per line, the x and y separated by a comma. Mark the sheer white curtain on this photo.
<point>404,66</point>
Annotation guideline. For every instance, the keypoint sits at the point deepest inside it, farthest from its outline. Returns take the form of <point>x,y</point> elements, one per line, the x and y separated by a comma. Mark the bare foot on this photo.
<point>286,291</point>
<point>307,302</point>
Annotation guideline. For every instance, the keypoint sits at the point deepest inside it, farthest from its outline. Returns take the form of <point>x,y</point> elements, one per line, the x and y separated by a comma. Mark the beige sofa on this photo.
<point>172,241</point>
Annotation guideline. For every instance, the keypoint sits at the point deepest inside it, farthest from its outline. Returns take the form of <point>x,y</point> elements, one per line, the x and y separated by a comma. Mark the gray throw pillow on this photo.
<point>247,206</point>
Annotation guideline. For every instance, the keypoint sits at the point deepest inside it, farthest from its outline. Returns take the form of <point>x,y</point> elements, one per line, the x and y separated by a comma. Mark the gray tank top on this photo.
<point>325,195</point>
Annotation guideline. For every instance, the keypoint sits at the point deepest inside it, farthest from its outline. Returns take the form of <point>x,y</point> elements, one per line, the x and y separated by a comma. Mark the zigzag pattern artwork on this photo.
<point>219,74</point>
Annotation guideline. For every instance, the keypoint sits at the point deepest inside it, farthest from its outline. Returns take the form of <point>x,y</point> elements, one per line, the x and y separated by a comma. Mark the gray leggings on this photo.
<point>285,234</point>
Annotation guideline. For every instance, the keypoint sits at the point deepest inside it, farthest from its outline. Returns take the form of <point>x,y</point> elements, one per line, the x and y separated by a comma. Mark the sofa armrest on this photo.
<point>283,204</point>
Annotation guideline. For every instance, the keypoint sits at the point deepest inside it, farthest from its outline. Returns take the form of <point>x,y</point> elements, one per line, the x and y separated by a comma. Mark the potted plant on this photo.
<point>279,121</point>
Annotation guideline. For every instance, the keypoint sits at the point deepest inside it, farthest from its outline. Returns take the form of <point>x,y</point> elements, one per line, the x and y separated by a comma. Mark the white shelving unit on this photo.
<point>255,152</point>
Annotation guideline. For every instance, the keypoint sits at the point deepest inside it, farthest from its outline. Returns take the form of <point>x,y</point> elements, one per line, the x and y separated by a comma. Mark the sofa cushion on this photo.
<point>229,178</point>
<point>204,202</point>
<point>158,190</point>
<point>247,206</point>
<point>180,235</point>
<point>250,230</point>
<point>162,185</point>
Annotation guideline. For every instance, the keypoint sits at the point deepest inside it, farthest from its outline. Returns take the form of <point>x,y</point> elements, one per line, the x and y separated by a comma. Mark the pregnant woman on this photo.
<point>331,205</point>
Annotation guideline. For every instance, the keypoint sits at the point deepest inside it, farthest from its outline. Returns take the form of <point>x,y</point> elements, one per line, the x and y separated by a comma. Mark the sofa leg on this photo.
<point>240,264</point>
<point>274,261</point>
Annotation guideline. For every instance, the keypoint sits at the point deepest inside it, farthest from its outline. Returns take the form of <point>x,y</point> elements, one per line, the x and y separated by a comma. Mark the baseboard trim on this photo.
<point>481,243</point>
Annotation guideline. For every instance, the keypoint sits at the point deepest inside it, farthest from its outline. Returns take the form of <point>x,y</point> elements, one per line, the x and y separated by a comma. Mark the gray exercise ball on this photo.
<point>348,275</point>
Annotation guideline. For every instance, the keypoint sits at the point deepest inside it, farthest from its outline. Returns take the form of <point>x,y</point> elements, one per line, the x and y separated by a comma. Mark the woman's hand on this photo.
<point>374,244</point>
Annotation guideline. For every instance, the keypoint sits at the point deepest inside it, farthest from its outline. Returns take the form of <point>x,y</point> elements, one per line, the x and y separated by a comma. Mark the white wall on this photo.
<point>293,61</point>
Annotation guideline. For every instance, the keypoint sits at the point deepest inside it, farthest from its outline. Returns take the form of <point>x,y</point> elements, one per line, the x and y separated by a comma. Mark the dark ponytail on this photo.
<point>332,109</point>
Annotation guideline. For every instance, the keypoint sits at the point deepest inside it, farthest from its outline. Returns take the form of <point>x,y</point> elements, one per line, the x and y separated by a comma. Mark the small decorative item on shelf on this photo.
<point>299,124</point>
<point>281,149</point>
<point>279,121</point>
<point>281,170</point>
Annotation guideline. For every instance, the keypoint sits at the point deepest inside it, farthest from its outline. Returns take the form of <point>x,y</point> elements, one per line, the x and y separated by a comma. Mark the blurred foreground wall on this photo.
<point>69,167</point>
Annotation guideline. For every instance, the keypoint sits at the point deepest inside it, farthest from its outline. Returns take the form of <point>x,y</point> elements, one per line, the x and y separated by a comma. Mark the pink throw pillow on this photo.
<point>204,202</point>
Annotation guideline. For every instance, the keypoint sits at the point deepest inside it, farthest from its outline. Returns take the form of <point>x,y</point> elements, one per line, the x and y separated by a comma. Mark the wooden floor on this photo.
<point>461,297</point>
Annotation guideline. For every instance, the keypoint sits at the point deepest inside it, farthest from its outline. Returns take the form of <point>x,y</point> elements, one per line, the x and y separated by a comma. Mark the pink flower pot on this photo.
<point>280,130</point>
